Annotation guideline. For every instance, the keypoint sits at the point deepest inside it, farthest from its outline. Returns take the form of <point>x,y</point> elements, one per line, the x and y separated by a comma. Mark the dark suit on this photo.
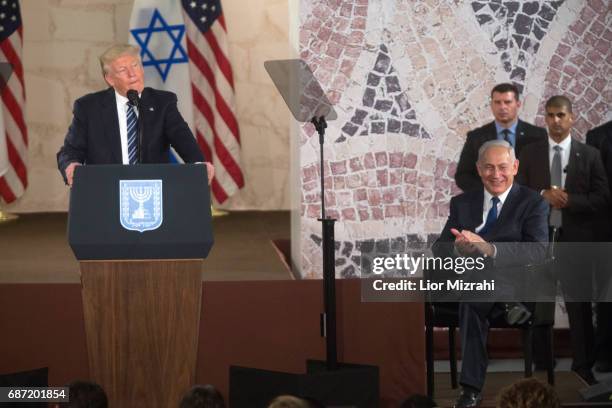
<point>466,175</point>
<point>587,189</point>
<point>93,136</point>
<point>523,218</point>
<point>601,139</point>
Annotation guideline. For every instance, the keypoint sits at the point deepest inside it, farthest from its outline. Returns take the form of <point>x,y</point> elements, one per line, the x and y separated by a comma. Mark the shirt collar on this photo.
<point>565,143</point>
<point>511,128</point>
<point>502,197</point>
<point>121,100</point>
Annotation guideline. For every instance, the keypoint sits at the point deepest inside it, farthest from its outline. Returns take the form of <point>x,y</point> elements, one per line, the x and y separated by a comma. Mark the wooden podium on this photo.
<point>141,289</point>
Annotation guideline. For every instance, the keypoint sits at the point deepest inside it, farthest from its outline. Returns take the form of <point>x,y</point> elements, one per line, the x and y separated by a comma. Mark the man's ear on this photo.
<point>478,169</point>
<point>108,80</point>
<point>515,166</point>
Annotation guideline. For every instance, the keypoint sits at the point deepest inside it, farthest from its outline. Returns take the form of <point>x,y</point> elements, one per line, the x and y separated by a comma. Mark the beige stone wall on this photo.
<point>62,39</point>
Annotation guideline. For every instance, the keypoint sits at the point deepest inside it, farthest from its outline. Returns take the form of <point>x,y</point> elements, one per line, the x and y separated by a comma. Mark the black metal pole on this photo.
<point>329,263</point>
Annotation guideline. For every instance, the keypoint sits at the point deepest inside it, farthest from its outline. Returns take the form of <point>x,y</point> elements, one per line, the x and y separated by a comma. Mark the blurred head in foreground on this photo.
<point>202,396</point>
<point>528,393</point>
<point>288,401</point>
<point>85,394</point>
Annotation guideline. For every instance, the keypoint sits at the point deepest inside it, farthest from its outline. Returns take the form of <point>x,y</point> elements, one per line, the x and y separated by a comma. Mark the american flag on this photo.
<point>14,179</point>
<point>212,87</point>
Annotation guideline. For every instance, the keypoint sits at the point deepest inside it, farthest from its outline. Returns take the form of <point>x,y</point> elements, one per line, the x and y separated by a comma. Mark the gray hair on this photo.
<point>116,51</point>
<point>496,143</point>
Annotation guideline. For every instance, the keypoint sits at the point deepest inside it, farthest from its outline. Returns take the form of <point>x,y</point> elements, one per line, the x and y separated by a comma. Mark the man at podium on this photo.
<point>105,124</point>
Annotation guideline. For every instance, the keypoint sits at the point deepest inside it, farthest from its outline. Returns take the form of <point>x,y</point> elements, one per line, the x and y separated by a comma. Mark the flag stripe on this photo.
<point>15,180</point>
<point>218,191</point>
<point>15,160</point>
<point>224,156</point>
<point>212,84</point>
<point>225,179</point>
<point>202,64</point>
<point>228,162</point>
<point>203,53</point>
<point>9,48</point>
<point>14,109</point>
<point>220,56</point>
<point>5,191</point>
<point>207,94</point>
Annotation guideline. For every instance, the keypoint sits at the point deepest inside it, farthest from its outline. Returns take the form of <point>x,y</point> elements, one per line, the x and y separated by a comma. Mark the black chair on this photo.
<point>446,315</point>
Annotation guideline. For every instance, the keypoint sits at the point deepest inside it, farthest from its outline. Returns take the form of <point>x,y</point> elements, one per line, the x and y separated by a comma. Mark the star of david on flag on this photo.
<point>184,50</point>
<point>145,36</point>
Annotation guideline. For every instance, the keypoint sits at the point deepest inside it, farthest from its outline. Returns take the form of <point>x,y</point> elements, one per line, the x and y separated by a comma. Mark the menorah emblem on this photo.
<point>140,203</point>
<point>140,195</point>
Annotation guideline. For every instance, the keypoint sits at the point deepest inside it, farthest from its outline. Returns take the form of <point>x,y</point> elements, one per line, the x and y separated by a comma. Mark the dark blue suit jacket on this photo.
<point>466,176</point>
<point>93,136</point>
<point>523,218</point>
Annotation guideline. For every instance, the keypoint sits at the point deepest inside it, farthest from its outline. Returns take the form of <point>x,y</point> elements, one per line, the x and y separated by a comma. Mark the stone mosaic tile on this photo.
<point>380,186</point>
<point>332,36</point>
<point>517,29</point>
<point>580,68</point>
<point>348,254</point>
<point>385,106</point>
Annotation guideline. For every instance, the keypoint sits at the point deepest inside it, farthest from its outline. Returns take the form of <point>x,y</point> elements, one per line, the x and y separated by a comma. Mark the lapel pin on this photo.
<point>151,109</point>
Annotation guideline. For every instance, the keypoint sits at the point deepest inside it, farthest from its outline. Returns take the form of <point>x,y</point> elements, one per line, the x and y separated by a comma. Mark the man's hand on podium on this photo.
<point>210,170</point>
<point>70,172</point>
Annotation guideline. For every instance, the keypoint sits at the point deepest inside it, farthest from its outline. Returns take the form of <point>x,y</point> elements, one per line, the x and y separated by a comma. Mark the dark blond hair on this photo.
<point>116,51</point>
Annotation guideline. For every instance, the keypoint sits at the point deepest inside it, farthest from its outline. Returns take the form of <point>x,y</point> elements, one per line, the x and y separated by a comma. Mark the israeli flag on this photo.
<point>158,28</point>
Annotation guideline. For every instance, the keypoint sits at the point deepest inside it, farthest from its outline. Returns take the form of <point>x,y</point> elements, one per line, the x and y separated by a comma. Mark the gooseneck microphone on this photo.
<point>132,96</point>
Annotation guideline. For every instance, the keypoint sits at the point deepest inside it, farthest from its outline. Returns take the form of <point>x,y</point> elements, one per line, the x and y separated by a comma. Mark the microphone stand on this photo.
<point>139,122</point>
<point>133,97</point>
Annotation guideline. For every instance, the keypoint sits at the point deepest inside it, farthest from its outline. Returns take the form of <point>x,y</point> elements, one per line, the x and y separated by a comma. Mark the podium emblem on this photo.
<point>140,204</point>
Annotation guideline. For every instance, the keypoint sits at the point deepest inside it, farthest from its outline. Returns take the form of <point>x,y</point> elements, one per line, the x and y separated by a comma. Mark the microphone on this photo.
<point>565,169</point>
<point>132,96</point>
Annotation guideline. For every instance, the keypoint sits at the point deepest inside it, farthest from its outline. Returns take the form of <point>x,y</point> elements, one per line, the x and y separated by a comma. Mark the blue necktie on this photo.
<point>506,133</point>
<point>491,217</point>
<point>132,133</point>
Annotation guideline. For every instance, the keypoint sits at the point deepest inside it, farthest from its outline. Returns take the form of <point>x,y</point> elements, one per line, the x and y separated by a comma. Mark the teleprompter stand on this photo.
<point>329,382</point>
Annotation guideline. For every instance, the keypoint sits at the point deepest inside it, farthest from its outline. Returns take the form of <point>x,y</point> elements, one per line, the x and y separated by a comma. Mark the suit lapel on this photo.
<point>519,137</point>
<point>491,132</point>
<point>508,208</point>
<point>111,125</point>
<point>476,208</point>
<point>539,166</point>
<point>147,110</point>
<point>572,164</point>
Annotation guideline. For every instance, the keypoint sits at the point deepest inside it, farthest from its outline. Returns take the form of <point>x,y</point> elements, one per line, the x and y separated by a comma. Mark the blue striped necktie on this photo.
<point>132,133</point>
